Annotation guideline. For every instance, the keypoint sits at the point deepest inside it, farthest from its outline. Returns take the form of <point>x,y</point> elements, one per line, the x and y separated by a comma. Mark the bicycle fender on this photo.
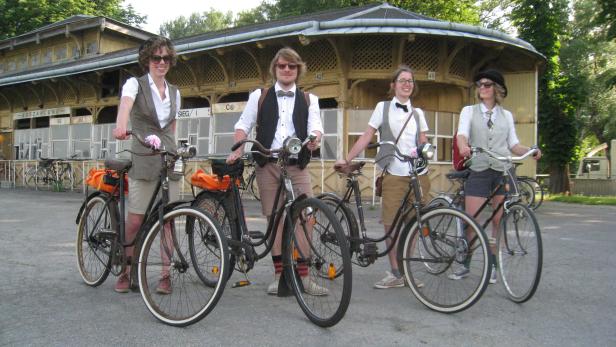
<point>83,205</point>
<point>331,195</point>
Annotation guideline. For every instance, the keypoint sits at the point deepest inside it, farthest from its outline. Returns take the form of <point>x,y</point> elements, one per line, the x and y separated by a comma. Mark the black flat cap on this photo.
<point>494,76</point>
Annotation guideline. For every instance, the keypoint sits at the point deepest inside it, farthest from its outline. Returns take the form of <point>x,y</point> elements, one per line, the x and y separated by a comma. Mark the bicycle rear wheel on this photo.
<point>520,252</point>
<point>170,287</point>
<point>539,192</point>
<point>446,242</point>
<point>96,233</point>
<point>527,192</point>
<point>216,205</point>
<point>252,185</point>
<point>314,241</point>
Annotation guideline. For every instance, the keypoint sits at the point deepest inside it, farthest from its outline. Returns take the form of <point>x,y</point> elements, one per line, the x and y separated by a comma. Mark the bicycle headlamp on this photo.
<point>292,145</point>
<point>426,150</point>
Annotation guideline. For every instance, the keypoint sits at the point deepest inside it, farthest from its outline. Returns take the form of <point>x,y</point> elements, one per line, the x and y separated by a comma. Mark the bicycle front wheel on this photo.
<point>520,252</point>
<point>96,233</point>
<point>346,218</point>
<point>170,287</point>
<point>445,260</point>
<point>314,243</point>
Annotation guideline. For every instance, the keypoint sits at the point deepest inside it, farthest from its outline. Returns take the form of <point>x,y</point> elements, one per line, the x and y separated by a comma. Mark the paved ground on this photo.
<point>43,300</point>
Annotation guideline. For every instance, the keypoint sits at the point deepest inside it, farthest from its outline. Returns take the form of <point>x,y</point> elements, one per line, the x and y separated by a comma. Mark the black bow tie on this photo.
<point>289,93</point>
<point>403,107</point>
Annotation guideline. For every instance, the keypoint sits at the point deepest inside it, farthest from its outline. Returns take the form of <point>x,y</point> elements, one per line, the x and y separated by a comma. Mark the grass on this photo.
<point>581,199</point>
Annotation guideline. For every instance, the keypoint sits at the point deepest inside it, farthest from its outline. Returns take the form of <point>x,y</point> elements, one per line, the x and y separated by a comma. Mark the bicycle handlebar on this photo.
<point>425,150</point>
<point>184,152</point>
<point>509,158</point>
<point>268,152</point>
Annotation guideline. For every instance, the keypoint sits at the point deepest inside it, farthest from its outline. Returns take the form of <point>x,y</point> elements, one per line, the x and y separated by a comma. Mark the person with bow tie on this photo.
<point>279,112</point>
<point>487,125</point>
<point>397,121</point>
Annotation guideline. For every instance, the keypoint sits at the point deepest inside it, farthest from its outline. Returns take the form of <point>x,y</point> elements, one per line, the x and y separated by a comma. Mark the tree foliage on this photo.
<point>197,23</point>
<point>543,23</point>
<point>21,16</point>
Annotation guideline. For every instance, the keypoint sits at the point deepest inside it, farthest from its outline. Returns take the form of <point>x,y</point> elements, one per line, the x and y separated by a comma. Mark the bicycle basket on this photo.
<point>221,168</point>
<point>210,182</point>
<point>105,180</point>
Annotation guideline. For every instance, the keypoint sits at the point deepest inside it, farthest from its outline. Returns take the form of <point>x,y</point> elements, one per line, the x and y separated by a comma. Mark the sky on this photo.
<point>159,12</point>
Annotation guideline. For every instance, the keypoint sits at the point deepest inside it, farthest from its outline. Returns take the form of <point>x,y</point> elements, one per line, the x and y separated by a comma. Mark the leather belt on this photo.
<point>291,161</point>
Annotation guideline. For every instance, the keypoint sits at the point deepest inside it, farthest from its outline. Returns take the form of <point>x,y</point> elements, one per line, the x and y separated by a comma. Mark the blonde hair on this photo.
<point>290,55</point>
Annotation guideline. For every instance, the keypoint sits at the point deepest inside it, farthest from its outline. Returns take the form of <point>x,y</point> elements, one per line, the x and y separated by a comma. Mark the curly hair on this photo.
<point>290,55</point>
<point>403,68</point>
<point>150,46</point>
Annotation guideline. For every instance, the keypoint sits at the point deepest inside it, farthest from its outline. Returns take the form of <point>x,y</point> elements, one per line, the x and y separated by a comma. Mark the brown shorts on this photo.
<point>140,192</point>
<point>267,181</point>
<point>394,190</point>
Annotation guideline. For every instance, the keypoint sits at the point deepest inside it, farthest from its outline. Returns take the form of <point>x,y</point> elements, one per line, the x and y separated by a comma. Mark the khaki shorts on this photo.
<point>140,192</point>
<point>267,181</point>
<point>394,189</point>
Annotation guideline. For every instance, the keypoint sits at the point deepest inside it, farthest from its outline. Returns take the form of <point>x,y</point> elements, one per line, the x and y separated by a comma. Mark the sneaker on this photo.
<point>272,289</point>
<point>164,285</point>
<point>493,276</point>
<point>460,273</point>
<point>312,288</point>
<point>390,281</point>
<point>123,284</point>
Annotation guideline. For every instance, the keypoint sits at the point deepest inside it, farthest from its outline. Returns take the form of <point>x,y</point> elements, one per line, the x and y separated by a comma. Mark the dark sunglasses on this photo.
<point>484,84</point>
<point>157,59</point>
<point>283,66</point>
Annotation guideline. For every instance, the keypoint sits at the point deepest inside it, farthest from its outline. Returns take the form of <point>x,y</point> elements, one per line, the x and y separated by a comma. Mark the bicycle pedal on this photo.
<point>255,234</point>
<point>242,283</point>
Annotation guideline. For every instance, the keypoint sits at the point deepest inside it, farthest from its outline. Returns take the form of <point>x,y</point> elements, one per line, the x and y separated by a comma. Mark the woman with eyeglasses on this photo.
<point>152,104</point>
<point>487,125</point>
<point>399,122</point>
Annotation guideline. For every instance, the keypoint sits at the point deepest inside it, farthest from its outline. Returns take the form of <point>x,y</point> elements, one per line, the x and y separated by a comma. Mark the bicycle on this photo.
<point>250,184</point>
<point>530,187</point>
<point>431,241</point>
<point>163,252</point>
<point>54,173</point>
<point>312,237</point>
<point>518,241</point>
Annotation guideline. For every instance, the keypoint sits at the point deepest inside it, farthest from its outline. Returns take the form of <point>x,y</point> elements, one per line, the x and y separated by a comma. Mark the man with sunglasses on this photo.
<point>487,125</point>
<point>152,104</point>
<point>279,112</point>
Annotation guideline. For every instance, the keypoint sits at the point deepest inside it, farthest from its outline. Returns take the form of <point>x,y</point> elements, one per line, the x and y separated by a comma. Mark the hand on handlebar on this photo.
<point>465,151</point>
<point>234,156</point>
<point>120,133</point>
<point>313,142</point>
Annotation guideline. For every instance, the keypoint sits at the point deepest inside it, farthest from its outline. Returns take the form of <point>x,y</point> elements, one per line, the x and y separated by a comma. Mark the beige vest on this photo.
<point>144,122</point>
<point>494,140</point>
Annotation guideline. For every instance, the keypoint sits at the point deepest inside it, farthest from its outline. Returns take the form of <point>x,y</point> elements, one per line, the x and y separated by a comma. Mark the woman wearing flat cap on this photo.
<point>487,125</point>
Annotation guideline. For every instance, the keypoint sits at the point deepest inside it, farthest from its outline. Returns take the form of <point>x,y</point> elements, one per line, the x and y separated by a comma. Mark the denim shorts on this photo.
<point>483,183</point>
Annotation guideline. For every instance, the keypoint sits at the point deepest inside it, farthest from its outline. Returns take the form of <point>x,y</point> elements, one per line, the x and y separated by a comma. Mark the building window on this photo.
<point>35,58</point>
<point>329,142</point>
<point>46,58</point>
<point>442,127</point>
<point>358,121</point>
<point>60,53</point>
<point>91,48</point>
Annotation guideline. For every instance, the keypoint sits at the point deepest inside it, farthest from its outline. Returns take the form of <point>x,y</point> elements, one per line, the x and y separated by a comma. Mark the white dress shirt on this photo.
<point>464,127</point>
<point>397,118</point>
<point>131,88</point>
<point>285,127</point>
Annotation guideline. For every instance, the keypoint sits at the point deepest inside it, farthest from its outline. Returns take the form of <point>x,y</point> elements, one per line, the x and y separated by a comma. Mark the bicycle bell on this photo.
<point>293,145</point>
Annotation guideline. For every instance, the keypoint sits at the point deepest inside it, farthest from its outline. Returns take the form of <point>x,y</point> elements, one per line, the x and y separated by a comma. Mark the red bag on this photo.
<point>459,162</point>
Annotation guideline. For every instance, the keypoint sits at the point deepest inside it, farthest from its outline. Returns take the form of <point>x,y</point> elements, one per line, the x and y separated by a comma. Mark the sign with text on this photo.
<point>42,113</point>
<point>193,113</point>
<point>81,119</point>
<point>229,107</point>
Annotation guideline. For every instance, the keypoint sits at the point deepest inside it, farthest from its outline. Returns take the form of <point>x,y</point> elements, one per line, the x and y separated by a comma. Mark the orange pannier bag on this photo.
<point>210,182</point>
<point>105,180</point>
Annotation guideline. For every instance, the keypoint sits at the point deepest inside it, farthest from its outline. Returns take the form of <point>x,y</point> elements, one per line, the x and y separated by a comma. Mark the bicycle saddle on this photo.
<point>221,168</point>
<point>349,169</point>
<point>118,164</point>
<point>454,175</point>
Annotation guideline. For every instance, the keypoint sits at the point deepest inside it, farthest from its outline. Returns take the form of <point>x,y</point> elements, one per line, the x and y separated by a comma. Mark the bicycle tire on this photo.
<point>65,178</point>
<point>303,261</point>
<point>30,177</point>
<point>520,252</point>
<point>527,192</point>
<point>440,201</point>
<point>185,299</point>
<point>539,192</point>
<point>216,205</point>
<point>96,233</point>
<point>253,186</point>
<point>437,243</point>
<point>345,216</point>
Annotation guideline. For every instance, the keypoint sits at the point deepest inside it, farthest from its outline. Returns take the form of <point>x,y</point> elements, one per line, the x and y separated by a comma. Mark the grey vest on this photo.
<point>385,154</point>
<point>144,122</point>
<point>494,140</point>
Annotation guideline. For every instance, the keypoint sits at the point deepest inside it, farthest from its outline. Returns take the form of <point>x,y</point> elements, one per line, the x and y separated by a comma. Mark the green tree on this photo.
<point>197,23</point>
<point>543,23</point>
<point>21,16</point>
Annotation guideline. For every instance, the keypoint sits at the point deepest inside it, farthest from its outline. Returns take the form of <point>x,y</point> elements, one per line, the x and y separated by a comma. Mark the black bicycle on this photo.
<point>518,241</point>
<point>162,244</point>
<point>432,242</point>
<point>312,238</point>
<point>250,184</point>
